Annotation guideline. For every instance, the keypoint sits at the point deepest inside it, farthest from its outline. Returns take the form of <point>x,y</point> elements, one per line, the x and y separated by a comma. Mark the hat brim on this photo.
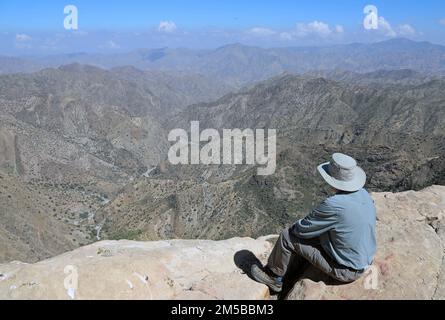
<point>355,184</point>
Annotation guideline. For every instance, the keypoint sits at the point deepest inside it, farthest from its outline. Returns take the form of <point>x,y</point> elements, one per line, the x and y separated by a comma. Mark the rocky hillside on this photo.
<point>88,147</point>
<point>70,138</point>
<point>79,116</point>
<point>43,220</point>
<point>396,132</point>
<point>409,264</point>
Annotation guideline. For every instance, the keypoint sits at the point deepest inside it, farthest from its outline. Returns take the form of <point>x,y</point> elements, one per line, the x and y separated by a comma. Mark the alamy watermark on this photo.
<point>71,281</point>
<point>71,20</point>
<point>371,279</point>
<point>371,20</point>
<point>236,146</point>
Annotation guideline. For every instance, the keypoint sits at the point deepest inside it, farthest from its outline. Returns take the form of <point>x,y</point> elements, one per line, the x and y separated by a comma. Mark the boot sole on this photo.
<point>272,286</point>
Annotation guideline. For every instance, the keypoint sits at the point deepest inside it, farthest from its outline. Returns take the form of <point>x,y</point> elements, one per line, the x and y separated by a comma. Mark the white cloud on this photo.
<point>50,43</point>
<point>406,30</point>
<point>317,28</point>
<point>112,45</point>
<point>23,41</point>
<point>311,28</point>
<point>21,37</point>
<point>442,21</point>
<point>321,31</point>
<point>339,29</point>
<point>109,45</point>
<point>261,32</point>
<point>80,33</point>
<point>314,28</point>
<point>385,27</point>
<point>167,26</point>
<point>286,35</point>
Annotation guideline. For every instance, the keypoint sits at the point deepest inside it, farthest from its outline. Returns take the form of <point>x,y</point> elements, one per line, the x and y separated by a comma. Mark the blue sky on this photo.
<point>28,27</point>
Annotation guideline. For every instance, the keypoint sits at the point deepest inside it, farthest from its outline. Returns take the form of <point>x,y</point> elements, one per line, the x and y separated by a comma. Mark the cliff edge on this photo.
<point>409,264</point>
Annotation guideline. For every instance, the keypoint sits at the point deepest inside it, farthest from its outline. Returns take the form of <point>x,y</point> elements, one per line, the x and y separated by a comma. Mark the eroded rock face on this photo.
<point>409,264</point>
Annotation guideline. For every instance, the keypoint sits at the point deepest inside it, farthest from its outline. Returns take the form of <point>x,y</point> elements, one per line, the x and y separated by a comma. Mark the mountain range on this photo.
<point>83,148</point>
<point>239,65</point>
<point>70,138</point>
<point>396,133</point>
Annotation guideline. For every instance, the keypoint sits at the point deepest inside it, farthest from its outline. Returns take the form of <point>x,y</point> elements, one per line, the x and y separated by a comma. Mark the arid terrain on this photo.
<point>83,138</point>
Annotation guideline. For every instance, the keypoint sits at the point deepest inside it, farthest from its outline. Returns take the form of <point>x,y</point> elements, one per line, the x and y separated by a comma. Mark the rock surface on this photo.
<point>175,269</point>
<point>409,264</point>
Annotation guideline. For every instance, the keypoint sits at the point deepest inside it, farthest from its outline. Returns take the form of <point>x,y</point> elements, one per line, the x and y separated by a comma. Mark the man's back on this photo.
<point>352,241</point>
<point>345,224</point>
<point>337,237</point>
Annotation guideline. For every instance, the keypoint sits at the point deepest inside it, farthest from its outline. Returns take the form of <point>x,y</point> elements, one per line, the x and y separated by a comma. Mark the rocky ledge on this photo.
<point>409,264</point>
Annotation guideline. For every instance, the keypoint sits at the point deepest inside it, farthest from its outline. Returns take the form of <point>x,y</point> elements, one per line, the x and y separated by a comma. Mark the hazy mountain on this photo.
<point>239,64</point>
<point>16,65</point>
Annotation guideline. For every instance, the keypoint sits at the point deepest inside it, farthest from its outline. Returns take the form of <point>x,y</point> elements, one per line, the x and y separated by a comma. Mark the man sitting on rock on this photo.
<point>337,237</point>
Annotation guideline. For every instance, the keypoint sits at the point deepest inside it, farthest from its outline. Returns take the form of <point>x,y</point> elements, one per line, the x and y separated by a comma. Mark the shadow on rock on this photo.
<point>303,270</point>
<point>299,269</point>
<point>245,259</point>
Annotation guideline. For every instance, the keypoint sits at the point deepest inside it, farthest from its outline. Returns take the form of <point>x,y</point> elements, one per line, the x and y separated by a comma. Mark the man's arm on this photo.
<point>320,220</point>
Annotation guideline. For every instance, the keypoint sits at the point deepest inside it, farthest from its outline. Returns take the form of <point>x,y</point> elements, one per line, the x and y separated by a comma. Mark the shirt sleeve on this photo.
<point>322,219</point>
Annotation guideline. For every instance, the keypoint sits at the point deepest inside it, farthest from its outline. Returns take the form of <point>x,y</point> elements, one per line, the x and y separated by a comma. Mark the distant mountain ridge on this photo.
<point>240,64</point>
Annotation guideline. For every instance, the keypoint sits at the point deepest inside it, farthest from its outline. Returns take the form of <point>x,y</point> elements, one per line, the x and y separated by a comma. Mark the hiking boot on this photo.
<point>274,282</point>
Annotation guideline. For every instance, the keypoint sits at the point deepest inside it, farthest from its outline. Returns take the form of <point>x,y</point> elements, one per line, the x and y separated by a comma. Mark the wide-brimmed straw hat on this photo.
<point>342,173</point>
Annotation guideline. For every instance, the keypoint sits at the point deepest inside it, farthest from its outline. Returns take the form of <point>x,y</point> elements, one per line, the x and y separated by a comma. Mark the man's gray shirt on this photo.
<point>345,224</point>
